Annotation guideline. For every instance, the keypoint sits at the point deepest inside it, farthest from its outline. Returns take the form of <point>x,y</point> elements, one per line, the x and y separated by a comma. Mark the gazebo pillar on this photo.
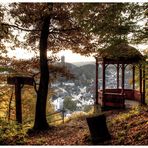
<point>103,81</point>
<point>122,78</point>
<point>133,77</point>
<point>143,97</point>
<point>140,81</point>
<point>96,101</point>
<point>118,76</point>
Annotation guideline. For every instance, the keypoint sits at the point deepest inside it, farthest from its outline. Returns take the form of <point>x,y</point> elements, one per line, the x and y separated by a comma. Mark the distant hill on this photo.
<point>87,71</point>
<point>83,63</point>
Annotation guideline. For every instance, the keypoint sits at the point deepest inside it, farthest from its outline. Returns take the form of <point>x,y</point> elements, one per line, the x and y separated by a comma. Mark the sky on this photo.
<point>69,55</point>
<point>73,57</point>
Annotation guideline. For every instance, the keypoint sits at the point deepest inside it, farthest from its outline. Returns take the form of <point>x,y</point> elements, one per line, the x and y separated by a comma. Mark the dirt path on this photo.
<point>72,133</point>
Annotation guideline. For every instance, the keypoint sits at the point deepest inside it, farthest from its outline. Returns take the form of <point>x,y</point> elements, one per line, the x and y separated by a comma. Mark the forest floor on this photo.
<point>127,127</point>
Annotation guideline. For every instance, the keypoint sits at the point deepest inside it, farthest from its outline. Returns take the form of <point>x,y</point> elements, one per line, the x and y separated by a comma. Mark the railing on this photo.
<point>48,115</point>
<point>57,112</point>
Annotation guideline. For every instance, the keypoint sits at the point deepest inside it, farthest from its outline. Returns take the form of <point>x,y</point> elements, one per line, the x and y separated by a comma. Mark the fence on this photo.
<point>51,114</point>
<point>57,112</point>
<point>48,115</point>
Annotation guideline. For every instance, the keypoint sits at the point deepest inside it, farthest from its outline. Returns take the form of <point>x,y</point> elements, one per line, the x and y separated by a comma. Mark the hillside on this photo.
<point>83,63</point>
<point>127,127</point>
<point>83,71</point>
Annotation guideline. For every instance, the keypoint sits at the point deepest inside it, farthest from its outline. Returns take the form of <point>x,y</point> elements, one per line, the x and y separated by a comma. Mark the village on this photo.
<point>81,91</point>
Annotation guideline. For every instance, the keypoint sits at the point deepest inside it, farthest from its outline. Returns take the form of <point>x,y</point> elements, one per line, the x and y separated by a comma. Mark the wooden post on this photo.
<point>118,76</point>
<point>18,81</point>
<point>63,112</point>
<point>140,82</point>
<point>96,101</point>
<point>18,103</point>
<point>133,77</point>
<point>122,78</point>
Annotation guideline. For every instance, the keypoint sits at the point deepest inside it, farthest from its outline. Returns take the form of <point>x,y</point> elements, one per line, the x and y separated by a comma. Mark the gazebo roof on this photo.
<point>121,52</point>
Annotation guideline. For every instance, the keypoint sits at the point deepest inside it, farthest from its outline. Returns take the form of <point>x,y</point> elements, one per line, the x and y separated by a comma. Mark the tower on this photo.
<point>62,60</point>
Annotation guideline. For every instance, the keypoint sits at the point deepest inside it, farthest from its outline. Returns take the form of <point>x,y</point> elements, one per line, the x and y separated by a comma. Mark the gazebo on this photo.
<point>120,55</point>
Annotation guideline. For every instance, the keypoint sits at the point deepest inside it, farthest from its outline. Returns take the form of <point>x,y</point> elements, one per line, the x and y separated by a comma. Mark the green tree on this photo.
<point>69,104</point>
<point>113,23</point>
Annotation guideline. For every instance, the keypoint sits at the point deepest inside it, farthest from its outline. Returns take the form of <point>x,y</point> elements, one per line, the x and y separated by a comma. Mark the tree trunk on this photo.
<point>40,115</point>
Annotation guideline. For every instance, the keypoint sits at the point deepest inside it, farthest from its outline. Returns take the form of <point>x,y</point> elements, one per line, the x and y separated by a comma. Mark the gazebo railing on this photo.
<point>115,97</point>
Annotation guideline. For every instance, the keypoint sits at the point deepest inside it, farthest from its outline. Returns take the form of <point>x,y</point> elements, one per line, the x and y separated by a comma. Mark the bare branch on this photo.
<point>52,32</point>
<point>35,74</point>
<point>35,86</point>
<point>20,28</point>
<point>65,30</point>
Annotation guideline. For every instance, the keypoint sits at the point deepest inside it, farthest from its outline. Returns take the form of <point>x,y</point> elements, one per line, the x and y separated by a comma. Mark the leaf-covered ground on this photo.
<point>127,127</point>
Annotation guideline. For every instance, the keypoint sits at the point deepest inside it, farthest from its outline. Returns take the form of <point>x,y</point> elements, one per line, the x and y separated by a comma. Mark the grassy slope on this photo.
<point>128,127</point>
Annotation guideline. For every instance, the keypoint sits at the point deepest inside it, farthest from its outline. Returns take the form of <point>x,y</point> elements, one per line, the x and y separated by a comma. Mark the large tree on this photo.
<point>50,27</point>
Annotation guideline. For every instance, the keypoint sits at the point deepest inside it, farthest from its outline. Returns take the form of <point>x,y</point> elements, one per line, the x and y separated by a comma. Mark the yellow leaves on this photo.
<point>2,114</point>
<point>5,92</point>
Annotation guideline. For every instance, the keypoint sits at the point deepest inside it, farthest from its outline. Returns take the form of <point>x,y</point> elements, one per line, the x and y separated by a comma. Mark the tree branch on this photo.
<point>35,86</point>
<point>52,32</point>
<point>64,30</point>
<point>20,28</point>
